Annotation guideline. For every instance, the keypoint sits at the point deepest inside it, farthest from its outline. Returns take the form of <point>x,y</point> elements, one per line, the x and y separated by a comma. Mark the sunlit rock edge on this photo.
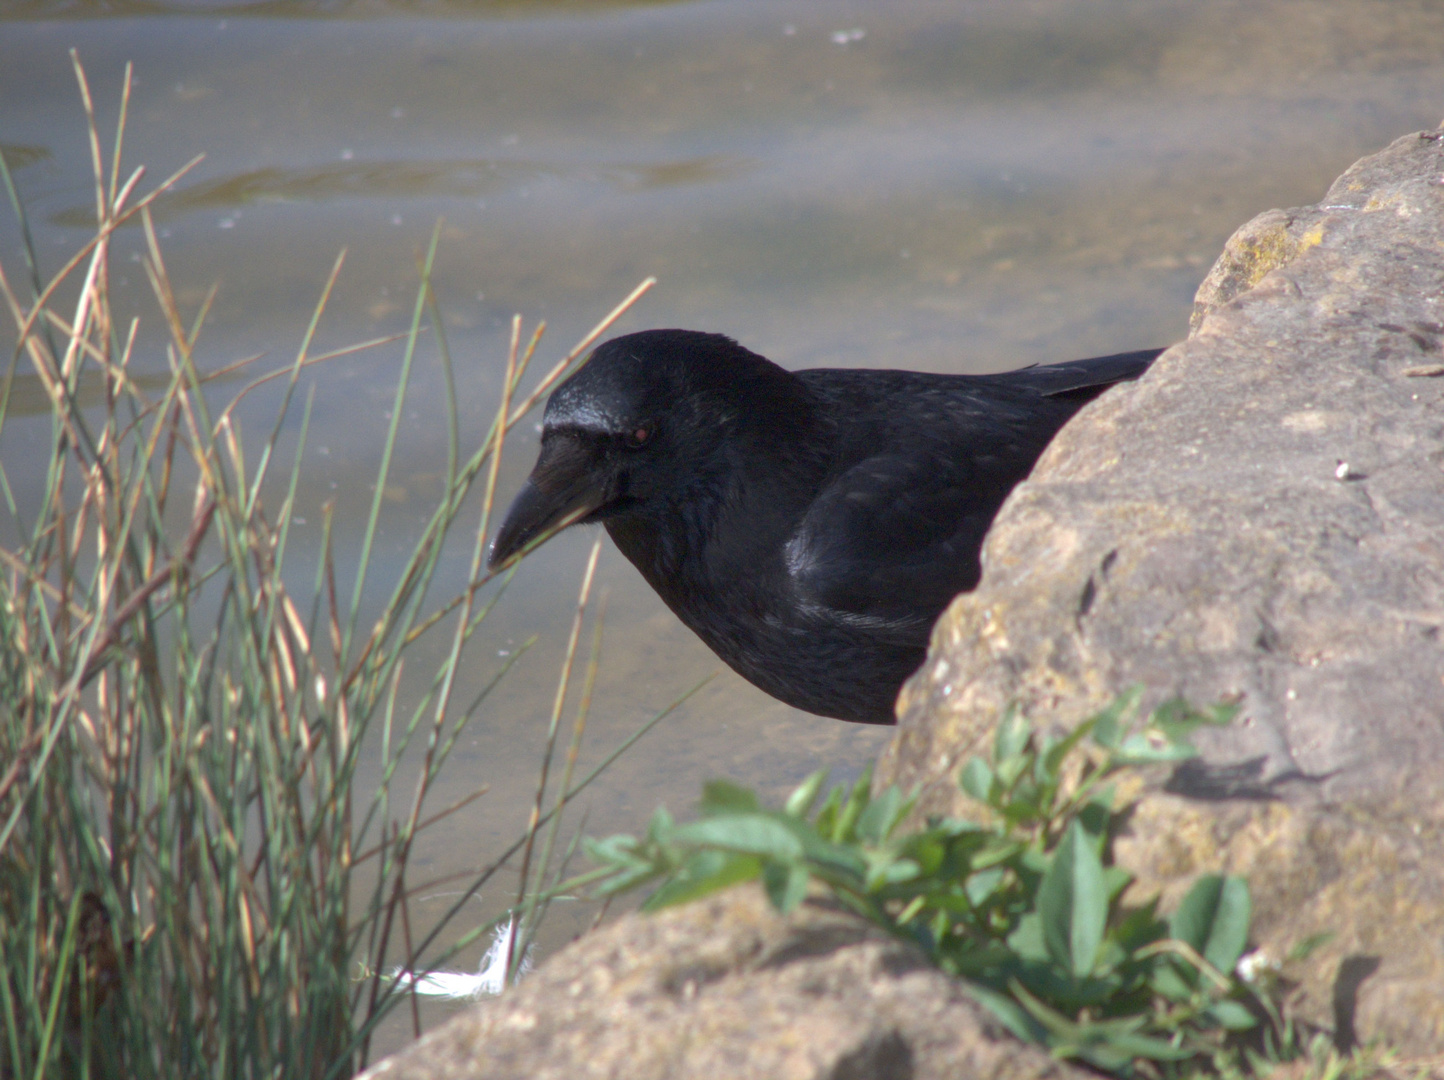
<point>1260,518</point>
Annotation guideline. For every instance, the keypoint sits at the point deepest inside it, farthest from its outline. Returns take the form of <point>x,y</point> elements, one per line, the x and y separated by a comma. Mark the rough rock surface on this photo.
<point>1261,517</point>
<point>727,988</point>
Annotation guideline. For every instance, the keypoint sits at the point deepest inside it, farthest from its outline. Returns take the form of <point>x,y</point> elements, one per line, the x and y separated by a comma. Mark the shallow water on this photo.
<point>961,186</point>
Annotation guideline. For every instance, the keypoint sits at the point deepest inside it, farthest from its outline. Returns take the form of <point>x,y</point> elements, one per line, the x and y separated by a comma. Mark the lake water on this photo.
<point>966,186</point>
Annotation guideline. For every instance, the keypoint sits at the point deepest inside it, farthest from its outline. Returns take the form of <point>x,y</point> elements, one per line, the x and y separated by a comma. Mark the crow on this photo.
<point>809,526</point>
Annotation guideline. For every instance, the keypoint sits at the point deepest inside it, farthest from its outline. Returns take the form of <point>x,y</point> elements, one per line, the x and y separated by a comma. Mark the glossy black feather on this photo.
<point>808,526</point>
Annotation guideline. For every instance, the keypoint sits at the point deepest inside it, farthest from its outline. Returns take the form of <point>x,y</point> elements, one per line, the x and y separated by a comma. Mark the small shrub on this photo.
<point>1023,905</point>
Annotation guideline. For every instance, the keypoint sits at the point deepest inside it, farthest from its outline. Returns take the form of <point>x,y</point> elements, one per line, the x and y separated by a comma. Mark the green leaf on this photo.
<point>1140,926</point>
<point>786,885</point>
<point>998,850</point>
<point>1167,981</point>
<point>1073,902</point>
<point>1194,917</point>
<point>970,958</point>
<point>1011,737</point>
<point>1177,719</point>
<point>884,868</point>
<point>882,815</point>
<point>826,821</point>
<point>1152,748</point>
<point>845,859</point>
<point>1009,1013</point>
<point>1102,1056</point>
<point>1057,752</point>
<point>1096,816</point>
<point>721,796</point>
<point>1145,1046</point>
<point>1214,919</point>
<point>1052,984</point>
<point>1111,956</point>
<point>1108,725</point>
<point>955,827</point>
<point>628,878</point>
<point>1221,714</point>
<point>902,870</point>
<point>928,851</point>
<point>632,863</point>
<point>1027,940</point>
<point>982,885</point>
<point>1232,1016</point>
<point>1229,937</point>
<point>976,780</point>
<point>805,794</point>
<point>1023,804</point>
<point>857,800</point>
<point>991,902</point>
<point>750,834</point>
<point>1058,1025</point>
<point>1008,772</point>
<point>705,873</point>
<point>612,849</point>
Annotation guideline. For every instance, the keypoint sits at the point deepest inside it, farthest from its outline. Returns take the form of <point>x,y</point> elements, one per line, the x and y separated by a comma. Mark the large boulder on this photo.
<point>728,988</point>
<point>1260,519</point>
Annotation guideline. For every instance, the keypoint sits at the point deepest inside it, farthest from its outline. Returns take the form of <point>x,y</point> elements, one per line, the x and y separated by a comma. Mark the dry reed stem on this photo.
<point>223,744</point>
<point>557,703</point>
<point>26,323</point>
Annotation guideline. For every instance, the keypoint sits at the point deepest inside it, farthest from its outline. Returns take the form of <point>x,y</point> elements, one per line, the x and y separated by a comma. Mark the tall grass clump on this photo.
<point>193,880</point>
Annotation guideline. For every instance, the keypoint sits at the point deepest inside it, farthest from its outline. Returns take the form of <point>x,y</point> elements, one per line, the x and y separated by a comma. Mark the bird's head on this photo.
<point>646,419</point>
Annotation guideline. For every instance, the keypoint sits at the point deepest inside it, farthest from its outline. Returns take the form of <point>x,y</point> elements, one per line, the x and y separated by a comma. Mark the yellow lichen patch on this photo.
<point>1264,244</point>
<point>1269,250</point>
<point>1393,200</point>
<point>1264,252</point>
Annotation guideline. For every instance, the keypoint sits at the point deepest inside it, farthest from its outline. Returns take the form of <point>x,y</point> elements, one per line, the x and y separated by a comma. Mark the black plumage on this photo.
<point>809,526</point>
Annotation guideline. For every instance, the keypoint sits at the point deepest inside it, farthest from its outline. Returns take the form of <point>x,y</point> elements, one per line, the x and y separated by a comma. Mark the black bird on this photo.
<point>809,526</point>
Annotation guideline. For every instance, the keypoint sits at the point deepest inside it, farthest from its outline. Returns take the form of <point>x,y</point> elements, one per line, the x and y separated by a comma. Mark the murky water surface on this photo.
<point>962,186</point>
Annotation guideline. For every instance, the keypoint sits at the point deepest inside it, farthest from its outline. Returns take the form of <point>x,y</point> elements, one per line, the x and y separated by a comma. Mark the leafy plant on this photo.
<point>1023,905</point>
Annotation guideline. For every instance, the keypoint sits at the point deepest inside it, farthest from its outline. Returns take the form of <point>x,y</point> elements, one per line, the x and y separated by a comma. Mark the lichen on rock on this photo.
<point>1266,243</point>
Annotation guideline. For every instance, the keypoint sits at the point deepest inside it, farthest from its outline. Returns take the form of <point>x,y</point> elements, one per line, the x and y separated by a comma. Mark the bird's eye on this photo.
<point>639,436</point>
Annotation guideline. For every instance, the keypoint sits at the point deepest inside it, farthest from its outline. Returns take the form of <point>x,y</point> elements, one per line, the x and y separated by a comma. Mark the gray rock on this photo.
<point>727,988</point>
<point>1261,518</point>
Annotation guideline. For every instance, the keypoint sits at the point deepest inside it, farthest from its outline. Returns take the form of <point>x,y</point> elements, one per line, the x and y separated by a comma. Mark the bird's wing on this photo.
<point>894,538</point>
<point>1079,377</point>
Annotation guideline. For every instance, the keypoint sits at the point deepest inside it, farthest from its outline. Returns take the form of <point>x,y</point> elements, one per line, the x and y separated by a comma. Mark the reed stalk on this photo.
<point>194,879</point>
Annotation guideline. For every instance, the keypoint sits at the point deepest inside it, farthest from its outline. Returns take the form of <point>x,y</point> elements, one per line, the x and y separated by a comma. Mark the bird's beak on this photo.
<point>564,487</point>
